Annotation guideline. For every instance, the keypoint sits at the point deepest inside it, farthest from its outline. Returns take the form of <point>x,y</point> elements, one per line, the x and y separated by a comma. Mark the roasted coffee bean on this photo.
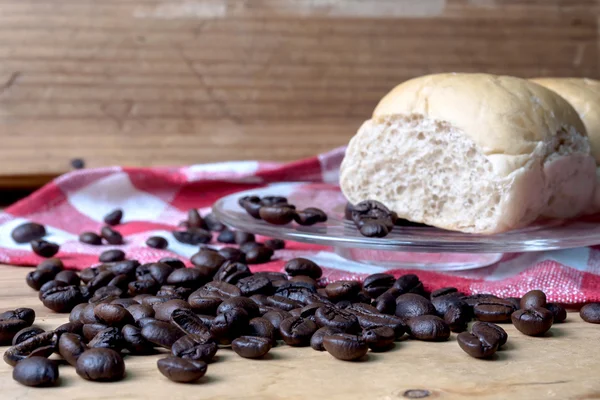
<point>24,313</point>
<point>181,369</point>
<point>135,343</point>
<point>444,292</point>
<point>309,310</point>
<point>124,302</point>
<point>43,345</point>
<point>297,331</point>
<point>443,303</point>
<point>105,294</point>
<point>232,254</point>
<point>70,347</point>
<point>62,299</point>
<point>231,272</point>
<point>386,303</point>
<point>259,255</point>
<point>221,290</point>
<point>50,285</point>
<point>229,325</point>
<point>369,318</point>
<point>474,299</point>
<point>379,338</point>
<point>111,236</point>
<point>112,256</point>
<point>251,204</point>
<point>90,238</point>
<point>212,223</point>
<point>100,364</point>
<point>487,329</point>
<point>173,291</point>
<point>303,266</point>
<point>195,220</point>
<point>204,305</point>
<point>493,310</point>
<point>110,338</point>
<point>371,210</point>
<point>275,317</point>
<point>142,322</point>
<point>283,303</point>
<point>342,290</point>
<point>239,302</point>
<point>273,276</point>
<point>153,301</point>
<point>428,327</point>
<point>25,334</point>
<point>157,242</point>
<point>310,216</point>
<point>36,372</point>
<point>90,331</point>
<point>306,279</point>
<point>274,244</point>
<point>187,277</point>
<point>142,287</point>
<point>27,232</point>
<point>374,228</point>
<point>193,236</point>
<point>69,277</point>
<point>376,284</point>
<point>558,312</point>
<point>114,217</point>
<point>189,348</point>
<point>337,318</point>
<point>9,328</point>
<point>243,237</point>
<point>297,311</point>
<point>477,345</point>
<point>516,302</point>
<point>590,313</point>
<point>408,283</point>
<point>85,312</point>
<point>139,311</point>
<point>533,298</point>
<point>532,322</point>
<point>251,346</point>
<point>191,324</point>
<point>161,333</point>
<point>120,281</point>
<point>112,315</point>
<point>36,279</point>
<point>208,259</point>
<point>411,305</point>
<point>163,311</point>
<point>457,317</point>
<point>87,274</point>
<point>253,284</point>
<point>44,248</point>
<point>344,346</point>
<point>99,282</point>
<point>273,200</point>
<point>70,327</point>
<point>261,327</point>
<point>246,247</point>
<point>277,215</point>
<point>174,263</point>
<point>226,236</point>
<point>316,341</point>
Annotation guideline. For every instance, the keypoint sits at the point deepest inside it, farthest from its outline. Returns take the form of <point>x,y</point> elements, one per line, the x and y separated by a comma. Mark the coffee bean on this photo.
<point>157,242</point>
<point>159,272</point>
<point>164,310</point>
<point>274,244</point>
<point>239,302</point>
<point>231,272</point>
<point>36,279</point>
<point>189,348</point>
<point>212,223</point>
<point>345,346</point>
<point>87,274</point>
<point>209,261</point>
<point>25,334</point>
<point>103,365</point>
<point>111,256</point>
<point>444,292</point>
<point>70,347</point>
<point>444,302</point>
<point>379,338</point>
<point>161,333</point>
<point>229,325</point>
<point>90,238</point>
<point>277,215</point>
<point>558,312</point>
<point>261,327</point>
<point>259,255</point>
<point>342,290</point>
<point>283,303</point>
<point>408,283</point>
<point>50,285</point>
<point>193,236</point>
<point>220,290</point>
<point>139,311</point>
<point>114,217</point>
<point>110,338</point>
<point>187,277</point>
<point>374,215</point>
<point>428,327</point>
<point>303,266</point>
<point>251,204</point>
<point>376,284</point>
<point>99,282</point>
<point>297,331</point>
<point>532,322</point>
<point>255,285</point>
<point>310,216</point>
<point>243,237</point>
<point>457,317</point>
<point>112,315</point>
<point>24,313</point>
<point>386,303</point>
<point>90,331</point>
<point>533,298</point>
<point>474,299</point>
<point>251,346</point>
<point>226,236</point>
<point>174,263</point>
<point>142,287</point>
<point>43,248</point>
<point>62,299</point>
<point>374,228</point>
<point>369,317</point>
<point>493,310</point>
<point>515,301</point>
<point>111,236</point>
<point>69,277</point>
<point>191,324</point>
<point>336,318</point>
<point>181,370</point>
<point>275,317</point>
<point>478,346</point>
<point>487,329</point>
<point>36,372</point>
<point>27,232</point>
<point>9,328</point>
<point>411,305</point>
<point>195,220</point>
<point>135,343</point>
<point>42,345</point>
<point>316,341</point>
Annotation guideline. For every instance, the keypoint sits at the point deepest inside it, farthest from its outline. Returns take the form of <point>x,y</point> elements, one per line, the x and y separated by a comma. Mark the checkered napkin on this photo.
<point>155,200</point>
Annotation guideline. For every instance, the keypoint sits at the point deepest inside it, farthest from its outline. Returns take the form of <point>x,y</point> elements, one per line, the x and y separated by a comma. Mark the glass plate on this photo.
<point>404,247</point>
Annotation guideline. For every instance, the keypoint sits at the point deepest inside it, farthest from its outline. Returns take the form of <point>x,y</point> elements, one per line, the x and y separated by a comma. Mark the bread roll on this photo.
<point>472,152</point>
<point>584,96</point>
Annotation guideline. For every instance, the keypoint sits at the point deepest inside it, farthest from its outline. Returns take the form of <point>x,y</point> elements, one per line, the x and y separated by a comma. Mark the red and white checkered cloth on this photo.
<point>155,200</point>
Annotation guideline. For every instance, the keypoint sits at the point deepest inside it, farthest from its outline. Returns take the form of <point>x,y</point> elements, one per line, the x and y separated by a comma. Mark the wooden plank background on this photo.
<point>169,82</point>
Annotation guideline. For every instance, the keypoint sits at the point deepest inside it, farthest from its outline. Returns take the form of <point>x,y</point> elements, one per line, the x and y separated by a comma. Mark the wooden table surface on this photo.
<point>563,365</point>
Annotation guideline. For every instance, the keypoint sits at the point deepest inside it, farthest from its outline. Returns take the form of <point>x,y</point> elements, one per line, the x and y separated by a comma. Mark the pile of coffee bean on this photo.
<point>126,308</point>
<point>277,210</point>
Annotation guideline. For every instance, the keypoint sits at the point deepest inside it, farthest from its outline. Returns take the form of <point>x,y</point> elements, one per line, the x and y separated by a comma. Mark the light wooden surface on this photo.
<point>564,365</point>
<point>171,82</point>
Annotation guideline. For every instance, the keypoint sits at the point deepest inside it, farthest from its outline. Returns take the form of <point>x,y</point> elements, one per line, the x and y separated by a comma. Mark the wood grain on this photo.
<point>562,365</point>
<point>171,82</point>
